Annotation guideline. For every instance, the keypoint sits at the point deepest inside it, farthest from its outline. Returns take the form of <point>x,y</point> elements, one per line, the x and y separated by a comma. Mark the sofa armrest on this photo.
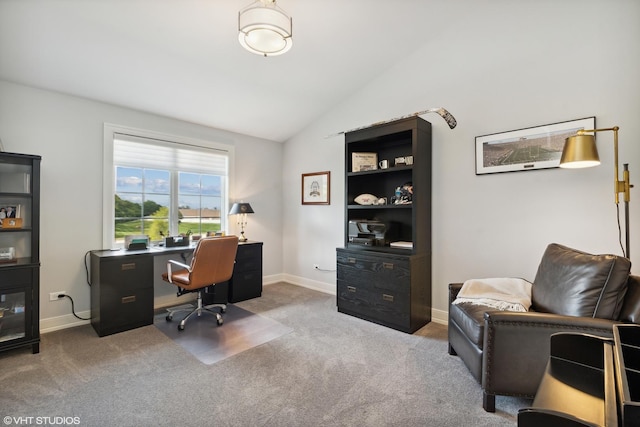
<point>516,347</point>
<point>454,289</point>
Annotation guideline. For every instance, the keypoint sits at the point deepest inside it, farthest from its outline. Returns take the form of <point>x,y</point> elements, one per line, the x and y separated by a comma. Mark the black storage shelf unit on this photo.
<point>377,282</point>
<point>20,275</point>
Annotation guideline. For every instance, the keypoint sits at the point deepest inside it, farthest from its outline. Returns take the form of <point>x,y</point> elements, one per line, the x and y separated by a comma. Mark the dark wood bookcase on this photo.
<point>377,281</point>
<point>20,251</point>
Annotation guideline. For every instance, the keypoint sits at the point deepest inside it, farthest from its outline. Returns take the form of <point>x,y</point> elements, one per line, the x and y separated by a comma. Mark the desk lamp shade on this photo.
<point>241,208</point>
<point>580,151</point>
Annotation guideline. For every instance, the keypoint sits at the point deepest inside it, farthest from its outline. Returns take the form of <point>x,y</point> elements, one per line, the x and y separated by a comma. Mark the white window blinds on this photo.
<point>135,151</point>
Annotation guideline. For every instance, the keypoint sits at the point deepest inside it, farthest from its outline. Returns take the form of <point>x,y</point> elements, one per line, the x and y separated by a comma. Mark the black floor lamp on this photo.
<point>580,152</point>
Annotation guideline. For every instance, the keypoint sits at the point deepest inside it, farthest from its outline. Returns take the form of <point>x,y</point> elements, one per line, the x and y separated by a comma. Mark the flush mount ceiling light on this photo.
<point>264,28</point>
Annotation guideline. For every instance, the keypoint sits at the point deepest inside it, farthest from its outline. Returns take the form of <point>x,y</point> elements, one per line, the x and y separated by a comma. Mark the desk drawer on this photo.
<point>123,309</point>
<point>129,273</point>
<point>249,257</point>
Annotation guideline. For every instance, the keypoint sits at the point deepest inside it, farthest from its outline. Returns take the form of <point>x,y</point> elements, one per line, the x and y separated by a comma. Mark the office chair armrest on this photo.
<point>179,264</point>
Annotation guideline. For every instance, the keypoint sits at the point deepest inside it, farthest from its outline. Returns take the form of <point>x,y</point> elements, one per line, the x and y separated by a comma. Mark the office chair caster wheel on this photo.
<point>169,318</point>
<point>181,327</point>
<point>220,321</point>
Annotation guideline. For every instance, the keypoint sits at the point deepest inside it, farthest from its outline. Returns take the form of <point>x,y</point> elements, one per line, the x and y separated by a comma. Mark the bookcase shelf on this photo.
<point>376,282</point>
<point>20,277</point>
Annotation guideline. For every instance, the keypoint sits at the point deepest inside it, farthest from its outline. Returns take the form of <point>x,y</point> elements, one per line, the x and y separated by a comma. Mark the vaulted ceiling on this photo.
<point>182,59</point>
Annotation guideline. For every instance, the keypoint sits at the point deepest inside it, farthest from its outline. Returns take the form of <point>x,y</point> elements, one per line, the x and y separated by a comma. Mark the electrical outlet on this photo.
<point>316,266</point>
<point>53,296</point>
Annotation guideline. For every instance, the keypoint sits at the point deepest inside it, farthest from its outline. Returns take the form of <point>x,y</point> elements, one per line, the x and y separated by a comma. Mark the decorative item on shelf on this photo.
<point>404,161</point>
<point>7,255</point>
<point>12,211</point>
<point>265,29</point>
<point>366,199</point>
<point>11,223</point>
<point>384,164</point>
<point>241,209</point>
<point>401,245</point>
<point>403,195</point>
<point>361,162</point>
<point>580,151</point>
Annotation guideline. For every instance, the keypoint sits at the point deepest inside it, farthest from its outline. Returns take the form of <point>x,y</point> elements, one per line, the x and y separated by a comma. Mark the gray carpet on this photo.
<point>331,370</point>
<point>210,343</point>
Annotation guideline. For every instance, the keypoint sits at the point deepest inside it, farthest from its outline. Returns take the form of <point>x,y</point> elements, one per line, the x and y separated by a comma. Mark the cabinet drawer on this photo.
<point>15,277</point>
<point>385,305</point>
<point>381,272</point>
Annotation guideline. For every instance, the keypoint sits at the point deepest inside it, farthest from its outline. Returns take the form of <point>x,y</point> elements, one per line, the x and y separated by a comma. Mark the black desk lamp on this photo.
<point>241,209</point>
<point>580,152</point>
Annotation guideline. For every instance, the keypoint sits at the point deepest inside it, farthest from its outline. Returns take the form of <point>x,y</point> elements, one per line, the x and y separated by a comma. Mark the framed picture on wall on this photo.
<point>538,147</point>
<point>316,188</point>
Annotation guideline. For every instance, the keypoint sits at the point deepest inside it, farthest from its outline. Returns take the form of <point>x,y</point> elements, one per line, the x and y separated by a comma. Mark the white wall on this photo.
<point>518,65</point>
<point>68,133</point>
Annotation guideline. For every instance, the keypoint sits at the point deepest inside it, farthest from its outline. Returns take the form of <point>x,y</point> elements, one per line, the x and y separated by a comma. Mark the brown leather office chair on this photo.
<point>212,262</point>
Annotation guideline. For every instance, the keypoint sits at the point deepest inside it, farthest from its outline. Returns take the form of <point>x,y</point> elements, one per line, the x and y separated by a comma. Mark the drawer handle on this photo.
<point>351,260</point>
<point>387,297</point>
<point>351,288</point>
<point>128,266</point>
<point>387,265</point>
<point>126,300</point>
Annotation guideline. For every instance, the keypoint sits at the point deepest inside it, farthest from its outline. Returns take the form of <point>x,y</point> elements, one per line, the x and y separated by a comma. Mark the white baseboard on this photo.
<point>69,320</point>
<point>63,322</point>
<point>327,288</point>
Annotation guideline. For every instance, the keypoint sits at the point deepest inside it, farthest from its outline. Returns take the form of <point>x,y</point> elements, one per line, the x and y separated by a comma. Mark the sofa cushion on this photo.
<point>631,306</point>
<point>575,283</point>
<point>470,319</point>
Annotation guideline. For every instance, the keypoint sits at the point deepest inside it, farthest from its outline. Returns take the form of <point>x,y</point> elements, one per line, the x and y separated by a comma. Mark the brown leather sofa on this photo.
<point>507,351</point>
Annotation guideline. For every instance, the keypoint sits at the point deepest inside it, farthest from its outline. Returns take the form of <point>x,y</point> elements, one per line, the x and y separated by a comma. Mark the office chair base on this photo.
<point>198,310</point>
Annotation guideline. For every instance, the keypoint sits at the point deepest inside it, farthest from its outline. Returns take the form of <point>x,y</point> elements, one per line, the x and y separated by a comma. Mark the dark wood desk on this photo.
<point>122,284</point>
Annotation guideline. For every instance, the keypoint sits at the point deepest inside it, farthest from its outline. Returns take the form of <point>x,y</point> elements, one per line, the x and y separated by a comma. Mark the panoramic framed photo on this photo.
<point>316,188</point>
<point>538,147</point>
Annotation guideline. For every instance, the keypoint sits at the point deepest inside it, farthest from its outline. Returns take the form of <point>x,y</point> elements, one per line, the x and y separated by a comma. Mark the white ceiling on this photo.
<point>182,59</point>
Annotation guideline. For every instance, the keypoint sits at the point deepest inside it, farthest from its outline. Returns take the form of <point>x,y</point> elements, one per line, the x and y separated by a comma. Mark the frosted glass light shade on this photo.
<point>265,29</point>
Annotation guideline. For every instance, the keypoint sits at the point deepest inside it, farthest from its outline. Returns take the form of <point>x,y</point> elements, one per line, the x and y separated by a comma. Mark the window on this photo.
<point>159,185</point>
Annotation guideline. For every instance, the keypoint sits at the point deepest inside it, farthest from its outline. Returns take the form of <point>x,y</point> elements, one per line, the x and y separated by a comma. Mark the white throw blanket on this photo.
<point>502,293</point>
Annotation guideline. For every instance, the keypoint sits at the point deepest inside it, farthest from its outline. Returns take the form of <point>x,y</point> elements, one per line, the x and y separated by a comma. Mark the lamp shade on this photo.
<point>265,29</point>
<point>579,152</point>
<point>240,208</point>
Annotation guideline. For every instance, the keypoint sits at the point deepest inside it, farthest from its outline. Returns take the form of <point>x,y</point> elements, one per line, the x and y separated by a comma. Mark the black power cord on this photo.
<point>73,310</point>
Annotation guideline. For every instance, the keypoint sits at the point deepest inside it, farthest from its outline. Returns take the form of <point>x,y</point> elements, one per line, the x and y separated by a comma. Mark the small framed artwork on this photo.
<point>538,147</point>
<point>316,188</point>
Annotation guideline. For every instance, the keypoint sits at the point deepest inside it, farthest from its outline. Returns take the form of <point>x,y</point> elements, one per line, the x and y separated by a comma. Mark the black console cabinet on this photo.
<point>377,280</point>
<point>20,248</point>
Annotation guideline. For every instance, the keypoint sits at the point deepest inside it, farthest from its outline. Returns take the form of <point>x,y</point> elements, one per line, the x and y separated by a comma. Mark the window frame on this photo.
<point>108,181</point>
